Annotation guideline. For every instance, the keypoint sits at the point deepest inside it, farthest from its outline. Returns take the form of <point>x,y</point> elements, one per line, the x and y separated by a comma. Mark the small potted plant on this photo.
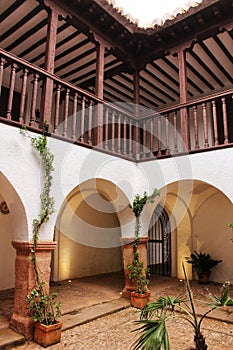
<point>138,273</point>
<point>202,264</point>
<point>44,311</point>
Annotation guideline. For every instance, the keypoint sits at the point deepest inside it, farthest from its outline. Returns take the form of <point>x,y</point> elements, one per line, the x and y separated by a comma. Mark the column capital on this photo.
<point>130,240</point>
<point>26,247</point>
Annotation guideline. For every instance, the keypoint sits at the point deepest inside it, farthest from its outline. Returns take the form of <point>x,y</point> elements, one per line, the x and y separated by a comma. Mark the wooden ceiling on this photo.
<point>153,51</point>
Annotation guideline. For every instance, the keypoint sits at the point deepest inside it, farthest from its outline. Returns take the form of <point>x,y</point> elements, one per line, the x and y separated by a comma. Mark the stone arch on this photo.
<point>88,230</point>
<point>13,227</point>
<point>200,214</point>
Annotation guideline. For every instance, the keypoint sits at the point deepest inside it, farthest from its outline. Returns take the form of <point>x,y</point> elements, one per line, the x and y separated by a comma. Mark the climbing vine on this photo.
<point>47,201</point>
<point>137,272</point>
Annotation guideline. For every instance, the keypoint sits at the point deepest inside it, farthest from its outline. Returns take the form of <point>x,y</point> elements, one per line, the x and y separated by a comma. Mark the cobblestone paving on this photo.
<point>114,332</point>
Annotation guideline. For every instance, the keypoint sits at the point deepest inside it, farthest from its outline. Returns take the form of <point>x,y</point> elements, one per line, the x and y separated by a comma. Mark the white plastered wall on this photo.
<point>74,165</point>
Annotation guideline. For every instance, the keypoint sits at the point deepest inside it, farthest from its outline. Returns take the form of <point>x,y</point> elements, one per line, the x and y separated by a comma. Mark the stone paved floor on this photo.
<point>113,332</point>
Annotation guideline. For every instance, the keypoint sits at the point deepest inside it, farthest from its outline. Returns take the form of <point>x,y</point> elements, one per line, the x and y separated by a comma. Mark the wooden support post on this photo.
<point>184,119</point>
<point>47,94</point>
<point>99,90</point>
<point>136,135</point>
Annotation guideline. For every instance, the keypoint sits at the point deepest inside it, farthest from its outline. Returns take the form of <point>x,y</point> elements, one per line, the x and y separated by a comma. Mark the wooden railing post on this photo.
<point>11,91</point>
<point>23,95</point>
<point>2,62</point>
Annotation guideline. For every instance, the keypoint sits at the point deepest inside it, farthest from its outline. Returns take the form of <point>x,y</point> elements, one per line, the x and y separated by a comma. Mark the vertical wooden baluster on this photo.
<point>214,110</point>
<point>119,134</point>
<point>23,95</point>
<point>130,137</point>
<point>151,136</point>
<point>144,142</point>
<point>206,138</point>
<point>89,133</point>
<point>225,125</point>
<point>34,99</point>
<point>137,141</point>
<point>106,129</point>
<point>73,135</point>
<point>57,108</point>
<point>175,132</point>
<point>11,91</point>
<point>82,119</point>
<point>124,135</point>
<point>2,62</point>
<point>159,137</point>
<point>196,137</point>
<point>66,112</point>
<point>113,131</point>
<point>167,135</point>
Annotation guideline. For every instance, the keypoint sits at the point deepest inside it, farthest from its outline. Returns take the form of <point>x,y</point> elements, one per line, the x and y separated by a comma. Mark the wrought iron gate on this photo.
<point>159,244</point>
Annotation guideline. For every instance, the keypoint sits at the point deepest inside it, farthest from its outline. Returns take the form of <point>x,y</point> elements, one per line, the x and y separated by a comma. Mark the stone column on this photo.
<point>25,282</point>
<point>128,258</point>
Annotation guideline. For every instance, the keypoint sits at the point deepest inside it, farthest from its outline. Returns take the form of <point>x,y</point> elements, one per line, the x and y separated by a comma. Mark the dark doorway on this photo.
<point>159,244</point>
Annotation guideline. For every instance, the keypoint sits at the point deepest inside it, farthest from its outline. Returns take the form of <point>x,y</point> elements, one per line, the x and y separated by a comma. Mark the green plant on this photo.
<point>154,335</point>
<point>202,262</point>
<point>42,306</point>
<point>137,273</point>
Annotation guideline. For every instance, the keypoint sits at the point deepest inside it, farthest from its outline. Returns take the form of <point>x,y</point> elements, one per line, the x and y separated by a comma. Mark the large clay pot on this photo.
<point>47,335</point>
<point>203,277</point>
<point>140,300</point>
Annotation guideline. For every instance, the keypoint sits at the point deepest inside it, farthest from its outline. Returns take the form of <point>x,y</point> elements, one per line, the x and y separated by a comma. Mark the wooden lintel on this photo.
<point>101,41</point>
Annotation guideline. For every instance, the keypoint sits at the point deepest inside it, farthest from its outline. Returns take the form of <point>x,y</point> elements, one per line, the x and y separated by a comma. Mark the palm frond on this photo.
<point>154,335</point>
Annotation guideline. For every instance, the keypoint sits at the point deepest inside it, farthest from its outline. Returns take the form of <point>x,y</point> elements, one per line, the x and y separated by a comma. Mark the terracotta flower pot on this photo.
<point>47,335</point>
<point>203,277</point>
<point>140,300</point>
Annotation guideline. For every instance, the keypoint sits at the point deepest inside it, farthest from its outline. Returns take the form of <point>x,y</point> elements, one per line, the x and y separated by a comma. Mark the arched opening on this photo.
<point>88,231</point>
<point>199,215</point>
<point>159,244</point>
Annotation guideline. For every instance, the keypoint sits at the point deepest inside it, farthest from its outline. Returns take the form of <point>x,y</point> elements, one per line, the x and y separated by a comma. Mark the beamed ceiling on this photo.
<point>23,26</point>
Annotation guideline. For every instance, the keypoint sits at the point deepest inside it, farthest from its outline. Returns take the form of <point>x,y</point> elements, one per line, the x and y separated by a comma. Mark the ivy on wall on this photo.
<point>40,144</point>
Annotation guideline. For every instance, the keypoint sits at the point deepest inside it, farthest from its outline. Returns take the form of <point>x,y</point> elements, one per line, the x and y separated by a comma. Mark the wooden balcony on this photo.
<point>34,97</point>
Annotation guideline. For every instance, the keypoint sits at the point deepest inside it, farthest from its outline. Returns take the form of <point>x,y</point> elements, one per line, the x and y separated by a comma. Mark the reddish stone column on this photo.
<point>25,282</point>
<point>128,258</point>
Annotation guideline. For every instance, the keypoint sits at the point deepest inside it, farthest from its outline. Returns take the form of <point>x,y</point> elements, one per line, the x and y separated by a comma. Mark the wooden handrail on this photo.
<point>58,80</point>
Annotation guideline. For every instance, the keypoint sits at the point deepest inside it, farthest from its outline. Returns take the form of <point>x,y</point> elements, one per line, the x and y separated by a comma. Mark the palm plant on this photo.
<point>154,335</point>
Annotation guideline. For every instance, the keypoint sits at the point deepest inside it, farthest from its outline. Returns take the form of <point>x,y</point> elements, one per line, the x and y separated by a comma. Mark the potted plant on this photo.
<point>42,306</point>
<point>138,273</point>
<point>202,264</point>
<point>45,311</point>
<point>154,335</point>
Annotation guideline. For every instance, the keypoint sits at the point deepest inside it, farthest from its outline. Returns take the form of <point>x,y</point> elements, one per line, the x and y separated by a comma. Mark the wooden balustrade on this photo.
<point>75,114</point>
